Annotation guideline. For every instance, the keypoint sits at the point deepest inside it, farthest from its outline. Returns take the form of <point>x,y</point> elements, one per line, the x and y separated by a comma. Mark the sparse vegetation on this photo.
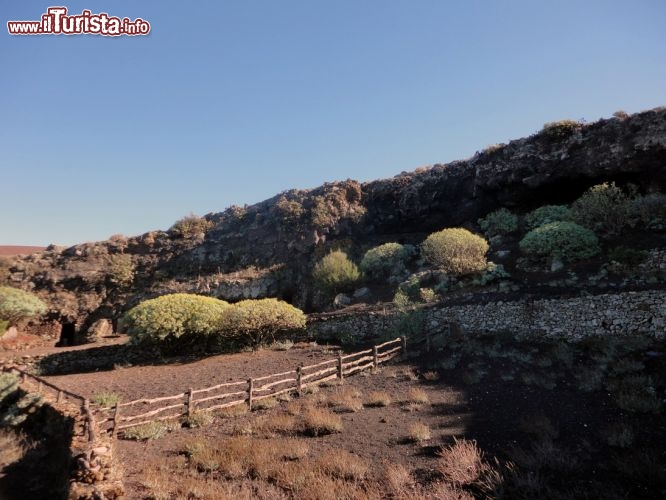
<point>461,463</point>
<point>378,399</point>
<point>120,268</point>
<point>146,432</point>
<point>561,129</point>
<point>105,399</point>
<point>419,432</point>
<point>190,226</point>
<point>455,251</point>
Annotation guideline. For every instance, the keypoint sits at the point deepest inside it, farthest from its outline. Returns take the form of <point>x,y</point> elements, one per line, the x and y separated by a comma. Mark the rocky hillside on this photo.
<point>269,249</point>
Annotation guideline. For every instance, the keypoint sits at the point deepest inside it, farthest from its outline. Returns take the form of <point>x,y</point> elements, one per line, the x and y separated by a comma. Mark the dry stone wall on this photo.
<point>576,318</point>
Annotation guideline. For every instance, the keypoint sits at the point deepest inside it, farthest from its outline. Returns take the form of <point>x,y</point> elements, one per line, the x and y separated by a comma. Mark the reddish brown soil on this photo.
<point>19,250</point>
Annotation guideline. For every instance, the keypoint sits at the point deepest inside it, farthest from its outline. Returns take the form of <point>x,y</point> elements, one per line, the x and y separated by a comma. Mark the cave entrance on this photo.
<point>67,334</point>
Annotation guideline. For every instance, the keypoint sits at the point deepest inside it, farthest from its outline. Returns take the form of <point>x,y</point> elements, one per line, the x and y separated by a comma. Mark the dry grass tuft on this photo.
<point>378,399</point>
<point>198,419</point>
<point>398,480</point>
<point>278,423</point>
<point>419,432</point>
<point>342,465</point>
<point>232,411</point>
<point>265,404</point>
<point>346,399</point>
<point>151,430</point>
<point>318,422</point>
<point>461,463</point>
<point>417,396</point>
<point>431,376</point>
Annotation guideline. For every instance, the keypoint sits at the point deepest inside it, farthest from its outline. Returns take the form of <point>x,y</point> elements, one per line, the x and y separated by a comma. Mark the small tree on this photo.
<point>120,268</point>
<point>167,319</point>
<point>336,273</point>
<point>255,322</point>
<point>455,251</point>
<point>16,305</point>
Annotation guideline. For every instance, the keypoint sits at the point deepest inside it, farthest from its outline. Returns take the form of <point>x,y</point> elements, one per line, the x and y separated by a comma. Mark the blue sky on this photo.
<point>230,102</point>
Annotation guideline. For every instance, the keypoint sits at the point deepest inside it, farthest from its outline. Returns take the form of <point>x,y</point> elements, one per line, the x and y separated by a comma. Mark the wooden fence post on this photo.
<point>250,387</point>
<point>39,387</point>
<point>404,344</point>
<point>89,420</point>
<point>375,356</point>
<point>340,370</point>
<point>299,381</point>
<point>116,419</point>
<point>190,402</point>
<point>59,397</point>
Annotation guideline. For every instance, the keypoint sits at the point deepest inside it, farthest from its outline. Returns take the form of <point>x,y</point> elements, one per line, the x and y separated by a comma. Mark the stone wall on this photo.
<point>573,318</point>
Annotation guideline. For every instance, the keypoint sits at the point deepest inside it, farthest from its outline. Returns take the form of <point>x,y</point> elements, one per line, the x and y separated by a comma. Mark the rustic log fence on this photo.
<point>58,395</point>
<point>124,415</point>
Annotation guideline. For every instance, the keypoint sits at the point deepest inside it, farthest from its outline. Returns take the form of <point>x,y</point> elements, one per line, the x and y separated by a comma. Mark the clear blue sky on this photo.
<point>230,102</point>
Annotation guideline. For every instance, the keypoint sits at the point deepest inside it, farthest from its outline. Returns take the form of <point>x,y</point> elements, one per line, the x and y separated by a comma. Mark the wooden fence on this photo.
<point>142,411</point>
<point>58,395</point>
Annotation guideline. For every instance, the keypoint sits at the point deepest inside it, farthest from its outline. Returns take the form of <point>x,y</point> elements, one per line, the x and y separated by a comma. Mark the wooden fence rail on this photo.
<point>248,392</point>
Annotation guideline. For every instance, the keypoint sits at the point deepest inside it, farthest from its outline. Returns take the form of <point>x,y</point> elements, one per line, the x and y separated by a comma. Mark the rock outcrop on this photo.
<point>268,249</point>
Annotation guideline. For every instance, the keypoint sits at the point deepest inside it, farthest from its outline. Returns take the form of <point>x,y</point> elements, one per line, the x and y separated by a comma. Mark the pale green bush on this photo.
<point>455,251</point>
<point>120,268</point>
<point>546,215</point>
<point>257,322</point>
<point>561,240</point>
<point>171,317</point>
<point>499,222</point>
<point>603,208</point>
<point>336,273</point>
<point>16,305</point>
<point>386,259</point>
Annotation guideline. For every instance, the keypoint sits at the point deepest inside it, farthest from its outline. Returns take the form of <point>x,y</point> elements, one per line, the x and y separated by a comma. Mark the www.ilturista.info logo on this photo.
<point>56,22</point>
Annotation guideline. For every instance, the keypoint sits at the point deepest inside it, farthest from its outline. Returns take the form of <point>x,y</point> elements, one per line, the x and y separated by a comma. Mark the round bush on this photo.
<point>255,322</point>
<point>546,215</point>
<point>561,240</point>
<point>386,259</point>
<point>455,250</point>
<point>174,316</point>
<point>336,273</point>
<point>605,209</point>
<point>499,222</point>
<point>16,305</point>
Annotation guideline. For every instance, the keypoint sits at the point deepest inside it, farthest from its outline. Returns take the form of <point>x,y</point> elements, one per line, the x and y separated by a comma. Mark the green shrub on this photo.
<point>175,316</point>
<point>386,259</point>
<point>16,305</point>
<point>105,399</point>
<point>498,223</point>
<point>256,322</point>
<point>603,208</point>
<point>455,251</point>
<point>560,240</point>
<point>649,211</point>
<point>336,273</point>
<point>546,215</point>
<point>493,272</point>
<point>190,226</point>
<point>560,129</point>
